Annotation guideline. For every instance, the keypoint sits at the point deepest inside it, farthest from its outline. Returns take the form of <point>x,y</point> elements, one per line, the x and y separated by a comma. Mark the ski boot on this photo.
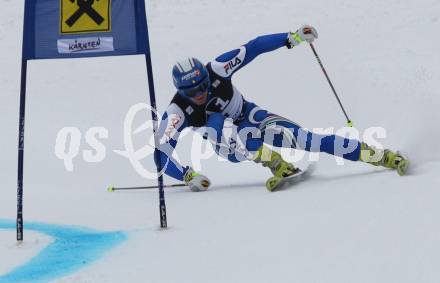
<point>385,158</point>
<point>282,170</point>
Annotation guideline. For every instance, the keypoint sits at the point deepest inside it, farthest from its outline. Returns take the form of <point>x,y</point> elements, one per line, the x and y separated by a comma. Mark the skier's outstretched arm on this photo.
<point>228,63</point>
<point>172,124</point>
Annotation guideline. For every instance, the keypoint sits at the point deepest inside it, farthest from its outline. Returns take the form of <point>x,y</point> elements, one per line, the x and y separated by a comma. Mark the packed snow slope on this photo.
<point>351,223</point>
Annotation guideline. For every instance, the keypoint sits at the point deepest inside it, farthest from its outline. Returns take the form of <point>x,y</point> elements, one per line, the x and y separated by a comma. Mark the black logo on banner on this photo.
<point>84,7</point>
<point>82,16</point>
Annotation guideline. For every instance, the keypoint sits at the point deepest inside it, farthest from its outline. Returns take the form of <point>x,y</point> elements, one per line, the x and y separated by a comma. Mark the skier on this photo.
<point>207,99</point>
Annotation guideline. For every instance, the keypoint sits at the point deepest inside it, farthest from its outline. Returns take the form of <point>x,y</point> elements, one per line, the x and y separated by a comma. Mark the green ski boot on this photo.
<point>385,158</point>
<point>281,169</point>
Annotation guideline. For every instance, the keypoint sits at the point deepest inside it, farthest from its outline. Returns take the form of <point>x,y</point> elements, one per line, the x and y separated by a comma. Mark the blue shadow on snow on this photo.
<point>72,248</point>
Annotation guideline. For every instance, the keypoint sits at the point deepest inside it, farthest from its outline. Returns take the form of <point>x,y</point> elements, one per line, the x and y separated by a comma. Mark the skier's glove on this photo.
<point>196,182</point>
<point>304,33</point>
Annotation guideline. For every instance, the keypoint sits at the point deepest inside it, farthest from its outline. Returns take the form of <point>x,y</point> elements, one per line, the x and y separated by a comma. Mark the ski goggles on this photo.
<point>197,90</point>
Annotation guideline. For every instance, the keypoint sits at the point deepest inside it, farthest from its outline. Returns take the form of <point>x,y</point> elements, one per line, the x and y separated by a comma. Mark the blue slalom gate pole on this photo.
<point>21,127</point>
<point>162,206</point>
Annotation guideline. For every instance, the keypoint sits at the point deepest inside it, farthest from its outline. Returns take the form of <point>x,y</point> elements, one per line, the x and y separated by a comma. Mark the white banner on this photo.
<point>85,45</point>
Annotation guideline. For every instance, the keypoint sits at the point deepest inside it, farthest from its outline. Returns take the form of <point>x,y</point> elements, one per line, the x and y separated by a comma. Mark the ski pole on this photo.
<point>112,189</point>
<point>349,122</point>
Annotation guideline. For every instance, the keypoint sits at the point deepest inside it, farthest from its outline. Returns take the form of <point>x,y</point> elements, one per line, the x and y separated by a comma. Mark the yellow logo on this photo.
<point>85,16</point>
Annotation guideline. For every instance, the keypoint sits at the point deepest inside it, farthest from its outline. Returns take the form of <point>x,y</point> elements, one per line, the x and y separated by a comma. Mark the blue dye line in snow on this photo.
<point>72,248</point>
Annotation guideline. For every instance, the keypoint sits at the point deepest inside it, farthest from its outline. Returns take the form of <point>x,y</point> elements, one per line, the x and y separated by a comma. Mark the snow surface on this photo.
<point>13,256</point>
<point>351,223</point>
